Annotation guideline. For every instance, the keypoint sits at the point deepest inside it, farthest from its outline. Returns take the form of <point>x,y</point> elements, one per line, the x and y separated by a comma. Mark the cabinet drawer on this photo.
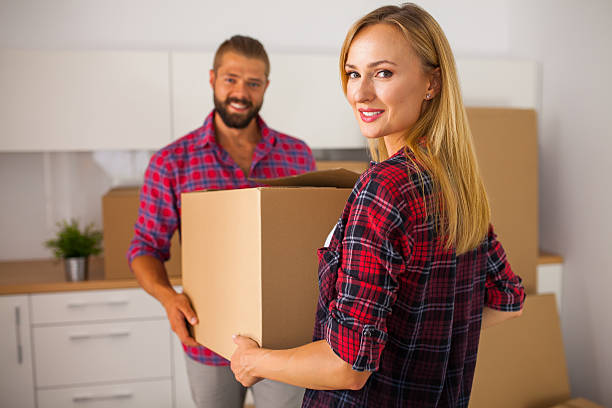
<point>79,354</point>
<point>148,394</point>
<point>84,306</point>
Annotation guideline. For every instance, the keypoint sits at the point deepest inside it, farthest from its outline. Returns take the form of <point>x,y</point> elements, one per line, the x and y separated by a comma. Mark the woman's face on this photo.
<point>386,83</point>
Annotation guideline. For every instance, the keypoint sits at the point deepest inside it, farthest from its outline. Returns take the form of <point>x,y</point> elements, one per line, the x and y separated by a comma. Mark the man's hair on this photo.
<point>243,45</point>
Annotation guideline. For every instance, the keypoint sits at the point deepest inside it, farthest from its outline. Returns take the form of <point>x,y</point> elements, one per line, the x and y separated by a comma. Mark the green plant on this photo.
<point>72,242</point>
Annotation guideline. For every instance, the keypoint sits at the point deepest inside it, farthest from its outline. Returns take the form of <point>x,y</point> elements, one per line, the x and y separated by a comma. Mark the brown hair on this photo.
<point>440,139</point>
<point>243,45</point>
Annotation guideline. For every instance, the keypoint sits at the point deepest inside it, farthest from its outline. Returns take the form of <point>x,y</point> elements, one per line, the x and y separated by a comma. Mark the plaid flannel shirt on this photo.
<point>393,301</point>
<point>196,162</point>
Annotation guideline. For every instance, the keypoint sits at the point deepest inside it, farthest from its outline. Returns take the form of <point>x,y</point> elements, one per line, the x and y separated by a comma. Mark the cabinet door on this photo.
<point>84,100</point>
<point>16,380</point>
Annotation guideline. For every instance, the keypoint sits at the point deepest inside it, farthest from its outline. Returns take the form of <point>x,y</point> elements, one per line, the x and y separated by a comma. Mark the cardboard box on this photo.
<point>119,214</point>
<point>521,362</point>
<point>250,260</point>
<point>578,403</point>
<point>506,143</point>
<point>356,166</point>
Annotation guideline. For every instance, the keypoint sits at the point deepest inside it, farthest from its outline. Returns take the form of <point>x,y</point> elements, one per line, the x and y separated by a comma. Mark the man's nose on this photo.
<point>240,89</point>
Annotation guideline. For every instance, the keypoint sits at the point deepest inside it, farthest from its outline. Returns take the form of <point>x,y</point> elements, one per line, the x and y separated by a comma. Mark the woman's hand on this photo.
<point>244,359</point>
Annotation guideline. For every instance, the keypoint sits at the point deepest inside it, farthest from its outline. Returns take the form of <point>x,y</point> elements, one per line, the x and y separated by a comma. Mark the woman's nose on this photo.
<point>364,91</point>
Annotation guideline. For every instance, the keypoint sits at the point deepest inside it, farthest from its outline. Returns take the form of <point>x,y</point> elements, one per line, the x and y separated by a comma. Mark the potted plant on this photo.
<point>74,246</point>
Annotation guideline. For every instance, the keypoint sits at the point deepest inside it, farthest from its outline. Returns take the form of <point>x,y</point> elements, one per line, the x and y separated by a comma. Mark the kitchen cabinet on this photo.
<point>16,380</point>
<point>113,347</point>
<point>84,100</point>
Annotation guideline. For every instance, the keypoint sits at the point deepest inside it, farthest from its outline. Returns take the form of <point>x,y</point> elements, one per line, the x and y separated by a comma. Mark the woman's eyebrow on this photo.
<point>372,64</point>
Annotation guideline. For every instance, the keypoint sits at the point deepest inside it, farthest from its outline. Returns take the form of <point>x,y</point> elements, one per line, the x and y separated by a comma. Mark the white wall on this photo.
<point>569,39</point>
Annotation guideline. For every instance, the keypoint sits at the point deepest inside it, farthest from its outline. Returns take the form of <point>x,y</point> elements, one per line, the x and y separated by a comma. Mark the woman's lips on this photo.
<point>370,115</point>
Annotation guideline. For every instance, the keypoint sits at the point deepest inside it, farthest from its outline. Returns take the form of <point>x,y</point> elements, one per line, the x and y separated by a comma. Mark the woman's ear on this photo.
<point>435,83</point>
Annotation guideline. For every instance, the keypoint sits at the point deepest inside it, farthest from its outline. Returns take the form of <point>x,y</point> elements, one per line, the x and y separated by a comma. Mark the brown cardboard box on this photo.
<point>250,261</point>
<point>506,143</point>
<point>356,166</point>
<point>119,213</point>
<point>578,403</point>
<point>521,362</point>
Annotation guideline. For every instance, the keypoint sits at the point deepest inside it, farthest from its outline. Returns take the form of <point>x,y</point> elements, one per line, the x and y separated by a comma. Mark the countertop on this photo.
<point>47,275</point>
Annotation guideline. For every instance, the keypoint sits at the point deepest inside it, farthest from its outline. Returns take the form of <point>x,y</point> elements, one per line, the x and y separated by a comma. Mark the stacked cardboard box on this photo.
<point>119,214</point>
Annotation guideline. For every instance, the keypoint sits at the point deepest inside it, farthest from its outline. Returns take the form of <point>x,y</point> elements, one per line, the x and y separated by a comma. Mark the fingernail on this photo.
<point>233,336</point>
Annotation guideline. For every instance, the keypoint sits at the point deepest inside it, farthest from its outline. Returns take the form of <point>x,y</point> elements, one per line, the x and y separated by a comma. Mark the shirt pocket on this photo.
<point>329,262</point>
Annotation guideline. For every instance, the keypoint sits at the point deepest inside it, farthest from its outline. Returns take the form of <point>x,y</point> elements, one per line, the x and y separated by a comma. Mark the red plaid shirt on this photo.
<point>198,162</point>
<point>395,302</point>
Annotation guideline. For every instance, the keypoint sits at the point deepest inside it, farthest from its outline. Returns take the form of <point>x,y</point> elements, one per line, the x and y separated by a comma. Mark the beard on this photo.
<point>236,120</point>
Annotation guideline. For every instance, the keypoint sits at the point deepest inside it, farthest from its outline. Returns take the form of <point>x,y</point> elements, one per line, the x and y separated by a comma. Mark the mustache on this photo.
<point>245,102</point>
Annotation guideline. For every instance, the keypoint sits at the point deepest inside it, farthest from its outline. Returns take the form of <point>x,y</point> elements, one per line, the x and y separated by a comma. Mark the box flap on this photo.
<point>341,178</point>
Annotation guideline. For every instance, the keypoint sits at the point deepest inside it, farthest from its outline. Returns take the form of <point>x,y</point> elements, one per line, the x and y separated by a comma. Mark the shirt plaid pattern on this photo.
<point>395,302</point>
<point>197,162</point>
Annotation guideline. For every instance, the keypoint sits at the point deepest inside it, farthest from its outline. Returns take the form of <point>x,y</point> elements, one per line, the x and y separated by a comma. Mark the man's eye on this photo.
<point>254,84</point>
<point>385,73</point>
<point>230,80</point>
<point>352,75</point>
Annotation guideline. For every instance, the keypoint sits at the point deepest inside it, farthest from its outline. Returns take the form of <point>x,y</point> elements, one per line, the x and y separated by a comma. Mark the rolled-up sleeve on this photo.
<point>504,289</point>
<point>367,278</point>
<point>157,214</point>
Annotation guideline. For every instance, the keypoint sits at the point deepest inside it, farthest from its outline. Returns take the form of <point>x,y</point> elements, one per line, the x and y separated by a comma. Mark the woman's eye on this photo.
<point>385,73</point>
<point>352,75</point>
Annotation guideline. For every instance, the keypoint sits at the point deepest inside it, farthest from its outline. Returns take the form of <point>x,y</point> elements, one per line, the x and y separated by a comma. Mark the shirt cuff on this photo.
<point>361,348</point>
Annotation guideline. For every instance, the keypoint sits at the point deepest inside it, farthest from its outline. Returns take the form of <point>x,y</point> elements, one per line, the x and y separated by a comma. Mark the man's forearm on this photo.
<point>151,274</point>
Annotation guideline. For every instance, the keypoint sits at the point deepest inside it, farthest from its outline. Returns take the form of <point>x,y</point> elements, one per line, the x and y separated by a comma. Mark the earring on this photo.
<point>427,96</point>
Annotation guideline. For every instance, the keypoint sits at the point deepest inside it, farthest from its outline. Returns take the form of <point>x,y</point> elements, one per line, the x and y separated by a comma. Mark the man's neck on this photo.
<point>231,137</point>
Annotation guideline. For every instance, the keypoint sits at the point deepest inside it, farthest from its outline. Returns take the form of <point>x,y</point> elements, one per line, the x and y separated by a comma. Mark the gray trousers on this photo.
<point>216,387</point>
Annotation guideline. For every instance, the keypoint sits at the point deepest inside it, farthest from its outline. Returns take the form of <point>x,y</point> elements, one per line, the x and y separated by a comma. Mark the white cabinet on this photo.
<point>16,378</point>
<point>84,100</point>
<point>104,348</point>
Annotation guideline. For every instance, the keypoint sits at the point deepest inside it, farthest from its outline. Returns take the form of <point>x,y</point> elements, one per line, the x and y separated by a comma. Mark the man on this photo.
<point>233,145</point>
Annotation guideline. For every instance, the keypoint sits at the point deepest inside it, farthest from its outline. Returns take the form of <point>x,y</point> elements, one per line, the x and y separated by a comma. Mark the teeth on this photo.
<point>238,106</point>
<point>371,113</point>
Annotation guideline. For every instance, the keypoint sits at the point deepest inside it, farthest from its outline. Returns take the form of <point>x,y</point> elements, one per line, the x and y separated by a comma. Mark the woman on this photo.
<point>413,270</point>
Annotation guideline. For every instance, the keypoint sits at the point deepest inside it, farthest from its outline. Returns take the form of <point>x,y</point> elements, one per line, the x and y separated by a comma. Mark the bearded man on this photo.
<point>232,146</point>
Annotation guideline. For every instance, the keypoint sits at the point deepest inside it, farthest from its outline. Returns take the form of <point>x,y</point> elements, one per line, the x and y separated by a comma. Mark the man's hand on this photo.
<point>243,360</point>
<point>178,308</point>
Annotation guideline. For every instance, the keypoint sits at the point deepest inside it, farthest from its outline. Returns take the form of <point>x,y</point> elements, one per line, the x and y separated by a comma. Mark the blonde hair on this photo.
<point>440,139</point>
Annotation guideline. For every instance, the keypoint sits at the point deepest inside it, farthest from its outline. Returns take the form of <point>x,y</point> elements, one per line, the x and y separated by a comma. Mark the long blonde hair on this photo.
<point>440,140</point>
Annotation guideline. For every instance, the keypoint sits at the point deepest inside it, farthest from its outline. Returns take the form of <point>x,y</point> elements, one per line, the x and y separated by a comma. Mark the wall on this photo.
<point>569,39</point>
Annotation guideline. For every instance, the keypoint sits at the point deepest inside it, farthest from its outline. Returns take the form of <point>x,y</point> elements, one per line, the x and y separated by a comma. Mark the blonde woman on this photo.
<point>413,270</point>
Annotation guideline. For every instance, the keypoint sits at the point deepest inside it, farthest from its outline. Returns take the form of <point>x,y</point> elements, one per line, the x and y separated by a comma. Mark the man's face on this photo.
<point>238,88</point>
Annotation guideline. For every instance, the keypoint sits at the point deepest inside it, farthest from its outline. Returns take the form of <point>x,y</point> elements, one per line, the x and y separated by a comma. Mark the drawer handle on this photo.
<point>85,336</point>
<point>92,397</point>
<point>118,302</point>
<point>18,335</point>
